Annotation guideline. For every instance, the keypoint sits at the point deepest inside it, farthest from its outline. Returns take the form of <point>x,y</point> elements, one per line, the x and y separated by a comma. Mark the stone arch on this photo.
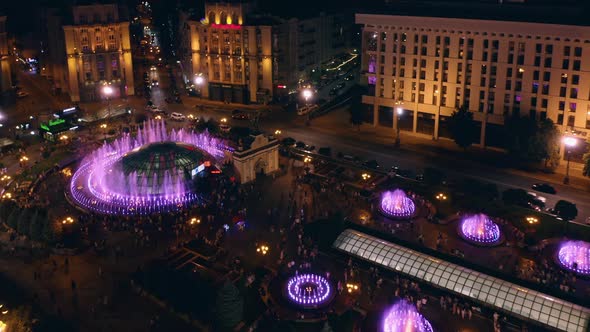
<point>211,17</point>
<point>260,167</point>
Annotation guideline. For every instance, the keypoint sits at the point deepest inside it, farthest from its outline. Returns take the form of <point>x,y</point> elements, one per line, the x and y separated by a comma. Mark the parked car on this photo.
<point>373,164</point>
<point>545,188</point>
<point>325,151</point>
<point>177,116</point>
<point>288,141</point>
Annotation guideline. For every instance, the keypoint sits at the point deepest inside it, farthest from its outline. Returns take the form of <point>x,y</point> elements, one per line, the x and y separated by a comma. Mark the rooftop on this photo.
<point>540,11</point>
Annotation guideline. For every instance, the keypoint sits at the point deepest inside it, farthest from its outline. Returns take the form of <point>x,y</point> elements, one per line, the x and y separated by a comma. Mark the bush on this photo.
<point>433,176</point>
<point>566,210</point>
<point>516,197</point>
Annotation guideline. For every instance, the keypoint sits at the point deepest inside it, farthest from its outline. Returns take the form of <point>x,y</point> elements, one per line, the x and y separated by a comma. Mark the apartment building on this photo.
<point>88,49</point>
<point>428,66</point>
<point>235,54</point>
<point>5,64</point>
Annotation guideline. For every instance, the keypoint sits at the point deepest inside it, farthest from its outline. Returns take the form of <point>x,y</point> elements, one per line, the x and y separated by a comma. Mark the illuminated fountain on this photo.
<point>575,256</point>
<point>309,290</point>
<point>396,204</point>
<point>480,229</point>
<point>403,317</point>
<point>147,173</point>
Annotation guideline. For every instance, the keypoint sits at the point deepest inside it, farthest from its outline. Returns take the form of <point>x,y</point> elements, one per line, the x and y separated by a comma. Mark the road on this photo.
<point>386,155</point>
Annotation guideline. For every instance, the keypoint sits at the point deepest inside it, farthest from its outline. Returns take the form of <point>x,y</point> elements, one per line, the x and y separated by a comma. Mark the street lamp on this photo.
<point>278,132</point>
<point>263,249</point>
<point>307,94</point>
<point>569,143</point>
<point>107,91</point>
<point>68,220</point>
<point>399,111</point>
<point>199,81</point>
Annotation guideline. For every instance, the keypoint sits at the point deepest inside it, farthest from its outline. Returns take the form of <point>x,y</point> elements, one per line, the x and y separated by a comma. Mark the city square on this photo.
<point>157,175</point>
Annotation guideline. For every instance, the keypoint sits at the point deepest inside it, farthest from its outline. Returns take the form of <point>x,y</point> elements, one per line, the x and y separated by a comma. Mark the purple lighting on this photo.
<point>403,316</point>
<point>109,181</point>
<point>396,204</point>
<point>309,290</point>
<point>479,229</point>
<point>575,256</point>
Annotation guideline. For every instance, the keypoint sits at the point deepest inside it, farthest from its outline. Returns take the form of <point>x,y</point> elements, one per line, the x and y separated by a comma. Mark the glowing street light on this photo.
<point>5,178</point>
<point>7,196</point>
<point>399,112</point>
<point>199,80</point>
<point>223,120</point>
<point>108,91</point>
<point>194,221</point>
<point>278,132</point>
<point>352,287</point>
<point>366,176</point>
<point>67,221</point>
<point>569,143</point>
<point>307,160</point>
<point>307,94</point>
<point>262,249</point>
<point>441,197</point>
<point>532,220</point>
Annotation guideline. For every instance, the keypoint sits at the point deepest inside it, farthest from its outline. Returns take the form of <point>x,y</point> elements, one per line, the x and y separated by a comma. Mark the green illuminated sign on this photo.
<point>52,123</point>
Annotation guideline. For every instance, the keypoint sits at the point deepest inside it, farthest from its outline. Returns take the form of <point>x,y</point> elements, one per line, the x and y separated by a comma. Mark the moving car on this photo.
<point>177,116</point>
<point>239,115</point>
<point>22,94</point>
<point>544,188</point>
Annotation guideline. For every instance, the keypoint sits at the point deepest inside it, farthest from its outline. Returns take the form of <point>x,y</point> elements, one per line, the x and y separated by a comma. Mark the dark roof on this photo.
<point>564,12</point>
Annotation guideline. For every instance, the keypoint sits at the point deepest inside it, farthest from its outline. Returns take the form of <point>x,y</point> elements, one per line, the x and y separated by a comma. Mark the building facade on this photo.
<point>98,53</point>
<point>6,90</point>
<point>260,158</point>
<point>244,57</point>
<point>427,67</point>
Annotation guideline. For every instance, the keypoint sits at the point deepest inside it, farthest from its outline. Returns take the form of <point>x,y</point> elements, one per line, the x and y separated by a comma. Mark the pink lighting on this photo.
<point>102,185</point>
<point>226,26</point>
<point>575,256</point>
<point>309,290</point>
<point>403,317</point>
<point>396,204</point>
<point>480,229</point>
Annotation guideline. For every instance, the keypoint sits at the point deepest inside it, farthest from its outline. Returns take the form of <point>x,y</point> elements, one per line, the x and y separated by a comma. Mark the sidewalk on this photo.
<point>338,121</point>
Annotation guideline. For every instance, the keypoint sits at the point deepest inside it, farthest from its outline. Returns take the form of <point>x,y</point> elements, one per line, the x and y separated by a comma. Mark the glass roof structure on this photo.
<point>518,301</point>
<point>161,157</point>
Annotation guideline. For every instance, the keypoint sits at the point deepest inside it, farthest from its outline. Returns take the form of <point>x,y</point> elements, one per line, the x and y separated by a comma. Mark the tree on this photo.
<point>516,197</point>
<point>51,233</point>
<point>462,127</point>
<point>36,226</point>
<point>13,218</point>
<point>531,141</point>
<point>23,223</point>
<point>356,115</point>
<point>229,306</point>
<point>566,210</point>
<point>586,170</point>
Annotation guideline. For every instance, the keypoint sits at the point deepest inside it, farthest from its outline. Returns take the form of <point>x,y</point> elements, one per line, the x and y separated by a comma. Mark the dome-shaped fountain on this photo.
<point>309,291</point>
<point>397,205</point>
<point>147,173</point>
<point>402,317</point>
<point>480,229</point>
<point>575,256</point>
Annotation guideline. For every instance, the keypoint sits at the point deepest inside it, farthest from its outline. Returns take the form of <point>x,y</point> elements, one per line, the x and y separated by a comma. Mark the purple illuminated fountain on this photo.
<point>575,256</point>
<point>396,204</point>
<point>480,229</point>
<point>143,174</point>
<point>402,317</point>
<point>309,290</point>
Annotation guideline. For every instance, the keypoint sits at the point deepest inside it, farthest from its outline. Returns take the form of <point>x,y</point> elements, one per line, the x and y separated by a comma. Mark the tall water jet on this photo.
<point>396,204</point>
<point>149,173</point>
<point>480,229</point>
<point>575,256</point>
<point>403,317</point>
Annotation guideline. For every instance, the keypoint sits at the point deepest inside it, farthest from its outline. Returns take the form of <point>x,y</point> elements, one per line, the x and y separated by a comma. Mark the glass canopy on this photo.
<point>516,300</point>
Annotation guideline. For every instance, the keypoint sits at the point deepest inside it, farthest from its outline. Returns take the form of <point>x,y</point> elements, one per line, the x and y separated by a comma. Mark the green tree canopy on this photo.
<point>229,306</point>
<point>566,210</point>
<point>462,127</point>
<point>529,140</point>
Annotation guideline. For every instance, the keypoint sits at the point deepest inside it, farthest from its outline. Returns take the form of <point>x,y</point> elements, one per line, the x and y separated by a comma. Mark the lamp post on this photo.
<point>399,111</point>
<point>107,91</point>
<point>569,143</point>
<point>199,81</point>
<point>307,94</point>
